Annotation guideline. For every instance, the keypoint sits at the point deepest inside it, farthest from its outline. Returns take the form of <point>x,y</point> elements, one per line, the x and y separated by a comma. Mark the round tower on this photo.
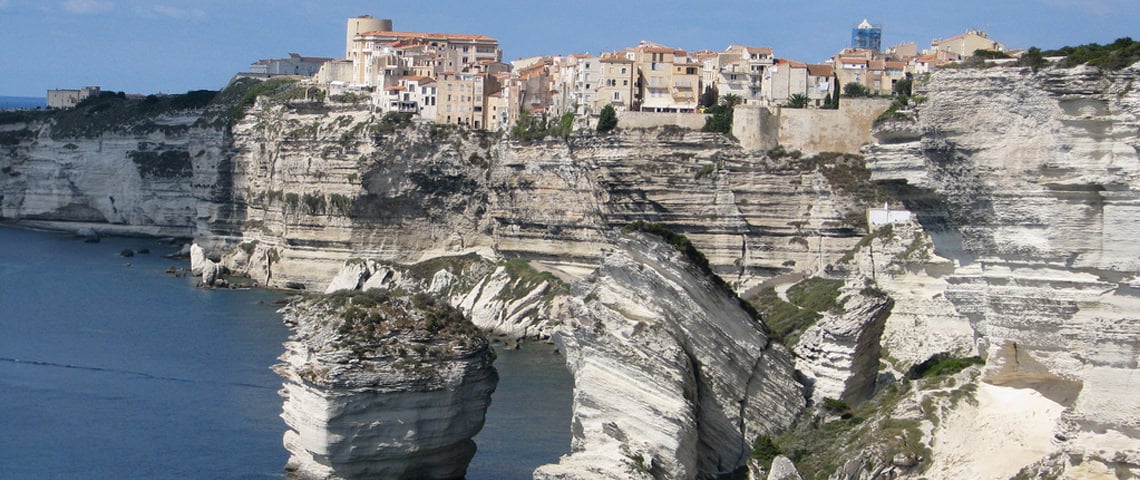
<point>361,24</point>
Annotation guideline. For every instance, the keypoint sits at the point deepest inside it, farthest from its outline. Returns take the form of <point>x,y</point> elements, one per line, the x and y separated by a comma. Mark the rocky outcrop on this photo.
<point>1028,183</point>
<point>507,299</point>
<point>838,356</point>
<point>378,386</point>
<point>672,378</point>
<point>783,469</point>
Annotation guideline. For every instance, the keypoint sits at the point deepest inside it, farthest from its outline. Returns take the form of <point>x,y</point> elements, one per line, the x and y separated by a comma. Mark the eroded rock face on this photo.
<point>672,378</point>
<point>1029,182</point>
<point>134,179</point>
<point>315,186</point>
<point>383,387</point>
<point>838,356</point>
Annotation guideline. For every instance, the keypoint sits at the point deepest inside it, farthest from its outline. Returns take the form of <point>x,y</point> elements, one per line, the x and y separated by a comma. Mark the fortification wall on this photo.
<point>816,130</point>
<point>691,121</point>
<point>755,127</point>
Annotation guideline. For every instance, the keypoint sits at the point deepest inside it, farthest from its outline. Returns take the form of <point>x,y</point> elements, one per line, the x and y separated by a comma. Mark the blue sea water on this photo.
<point>110,370</point>
<point>22,103</point>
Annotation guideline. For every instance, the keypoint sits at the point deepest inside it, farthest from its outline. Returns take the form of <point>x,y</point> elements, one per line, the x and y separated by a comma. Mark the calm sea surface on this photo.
<point>116,371</point>
<point>22,103</point>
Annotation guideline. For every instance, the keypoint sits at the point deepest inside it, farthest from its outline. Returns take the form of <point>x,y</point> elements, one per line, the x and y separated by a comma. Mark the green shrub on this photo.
<point>169,164</point>
<point>607,119</point>
<point>720,115</point>
<point>340,204</point>
<point>764,450</point>
<point>1115,56</point>
<point>313,203</point>
<point>942,364</point>
<point>797,100</point>
<point>855,90</point>
<point>292,201</point>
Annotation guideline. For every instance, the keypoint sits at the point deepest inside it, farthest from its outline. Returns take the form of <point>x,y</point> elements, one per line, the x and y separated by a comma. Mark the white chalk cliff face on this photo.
<point>673,379</point>
<point>383,387</point>
<point>1029,182</point>
<point>135,180</point>
<point>315,185</point>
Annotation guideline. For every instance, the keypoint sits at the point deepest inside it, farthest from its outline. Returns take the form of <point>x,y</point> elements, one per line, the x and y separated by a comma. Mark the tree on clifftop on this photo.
<point>853,89</point>
<point>797,100</point>
<point>720,118</point>
<point>607,120</point>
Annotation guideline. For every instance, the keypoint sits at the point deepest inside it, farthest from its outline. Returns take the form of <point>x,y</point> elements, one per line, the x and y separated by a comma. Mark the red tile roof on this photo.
<point>791,63</point>
<point>451,37</point>
<point>821,70</point>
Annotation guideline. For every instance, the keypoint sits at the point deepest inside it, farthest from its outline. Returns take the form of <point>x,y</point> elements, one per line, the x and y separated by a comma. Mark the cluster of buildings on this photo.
<point>461,79</point>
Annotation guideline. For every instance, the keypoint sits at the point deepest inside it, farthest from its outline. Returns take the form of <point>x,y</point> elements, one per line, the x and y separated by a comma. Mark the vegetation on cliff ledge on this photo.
<point>382,324</point>
<point>114,112</point>
<point>807,301</point>
<point>1117,55</point>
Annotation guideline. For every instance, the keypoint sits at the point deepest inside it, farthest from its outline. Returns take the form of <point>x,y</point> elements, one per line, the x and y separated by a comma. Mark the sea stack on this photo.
<point>381,386</point>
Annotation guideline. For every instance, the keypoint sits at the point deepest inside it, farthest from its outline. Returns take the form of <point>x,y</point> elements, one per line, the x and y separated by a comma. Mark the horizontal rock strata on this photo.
<point>383,387</point>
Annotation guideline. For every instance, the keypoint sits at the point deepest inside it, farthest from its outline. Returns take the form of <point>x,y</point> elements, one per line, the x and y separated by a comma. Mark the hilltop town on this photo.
<point>461,79</point>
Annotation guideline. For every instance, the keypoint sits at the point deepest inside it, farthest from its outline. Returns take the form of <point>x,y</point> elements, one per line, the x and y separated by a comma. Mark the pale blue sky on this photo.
<point>173,46</point>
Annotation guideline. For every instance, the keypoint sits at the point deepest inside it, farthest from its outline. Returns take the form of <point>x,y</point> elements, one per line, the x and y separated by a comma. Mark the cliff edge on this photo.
<point>381,386</point>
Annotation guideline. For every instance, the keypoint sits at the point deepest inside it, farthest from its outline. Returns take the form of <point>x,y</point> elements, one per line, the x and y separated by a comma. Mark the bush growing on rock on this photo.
<point>607,120</point>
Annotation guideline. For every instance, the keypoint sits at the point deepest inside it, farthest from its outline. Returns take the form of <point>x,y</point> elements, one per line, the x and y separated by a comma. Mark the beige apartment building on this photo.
<point>668,79</point>
<point>739,70</point>
<point>787,78</point>
<point>965,44</point>
<point>463,98</point>
<point>618,86</point>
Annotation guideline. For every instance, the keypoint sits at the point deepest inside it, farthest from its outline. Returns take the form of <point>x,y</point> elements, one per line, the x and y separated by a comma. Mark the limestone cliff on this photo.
<point>1028,182</point>
<point>314,184</point>
<point>378,386</point>
<point>1023,253</point>
<point>673,379</point>
<point>125,165</point>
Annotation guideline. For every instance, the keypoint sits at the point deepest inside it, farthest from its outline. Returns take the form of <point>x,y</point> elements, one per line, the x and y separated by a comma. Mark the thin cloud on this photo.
<point>84,7</point>
<point>181,13</point>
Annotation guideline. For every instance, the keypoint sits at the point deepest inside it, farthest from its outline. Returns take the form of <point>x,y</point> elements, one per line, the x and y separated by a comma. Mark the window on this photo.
<point>623,70</point>
<point>617,95</point>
